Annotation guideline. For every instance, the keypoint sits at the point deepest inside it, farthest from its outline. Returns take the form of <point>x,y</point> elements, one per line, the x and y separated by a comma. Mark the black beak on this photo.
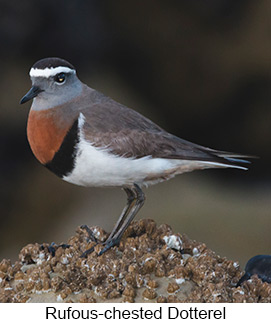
<point>33,92</point>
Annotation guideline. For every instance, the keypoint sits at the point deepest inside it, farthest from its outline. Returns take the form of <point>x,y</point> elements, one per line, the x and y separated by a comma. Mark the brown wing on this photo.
<point>127,133</point>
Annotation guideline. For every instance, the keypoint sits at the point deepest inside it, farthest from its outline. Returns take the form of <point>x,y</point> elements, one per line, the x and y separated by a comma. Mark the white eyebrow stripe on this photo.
<point>52,71</point>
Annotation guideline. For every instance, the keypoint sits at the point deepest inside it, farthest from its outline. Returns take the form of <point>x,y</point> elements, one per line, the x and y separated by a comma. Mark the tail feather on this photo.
<point>233,160</point>
<point>222,164</point>
<point>237,160</point>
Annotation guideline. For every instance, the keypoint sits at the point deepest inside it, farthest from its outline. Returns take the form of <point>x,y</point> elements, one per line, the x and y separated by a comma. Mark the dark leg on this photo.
<point>53,247</point>
<point>131,197</point>
<point>115,238</point>
<point>89,232</point>
<point>91,237</point>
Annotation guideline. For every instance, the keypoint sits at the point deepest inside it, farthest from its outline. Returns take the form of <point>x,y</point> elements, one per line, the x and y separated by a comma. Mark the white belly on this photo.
<point>98,167</point>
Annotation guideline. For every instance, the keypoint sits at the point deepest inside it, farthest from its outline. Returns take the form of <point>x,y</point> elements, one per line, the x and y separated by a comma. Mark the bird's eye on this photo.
<point>60,78</point>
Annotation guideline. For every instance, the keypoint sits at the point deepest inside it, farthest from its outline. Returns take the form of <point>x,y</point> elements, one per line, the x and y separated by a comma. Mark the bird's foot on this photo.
<point>53,247</point>
<point>88,251</point>
<point>91,236</point>
<point>109,244</point>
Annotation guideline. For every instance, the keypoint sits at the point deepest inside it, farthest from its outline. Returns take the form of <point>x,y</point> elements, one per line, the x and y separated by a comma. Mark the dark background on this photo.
<point>200,69</point>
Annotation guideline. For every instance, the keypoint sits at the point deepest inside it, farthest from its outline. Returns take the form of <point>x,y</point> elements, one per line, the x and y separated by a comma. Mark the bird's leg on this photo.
<point>131,197</point>
<point>90,234</point>
<point>120,229</point>
<point>139,202</point>
<point>90,237</point>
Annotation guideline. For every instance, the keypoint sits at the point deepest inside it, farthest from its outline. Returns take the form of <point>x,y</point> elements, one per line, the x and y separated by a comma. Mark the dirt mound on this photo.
<point>151,264</point>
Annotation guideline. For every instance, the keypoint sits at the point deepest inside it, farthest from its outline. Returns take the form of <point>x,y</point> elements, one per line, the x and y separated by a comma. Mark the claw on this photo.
<point>108,245</point>
<point>88,251</point>
<point>53,246</point>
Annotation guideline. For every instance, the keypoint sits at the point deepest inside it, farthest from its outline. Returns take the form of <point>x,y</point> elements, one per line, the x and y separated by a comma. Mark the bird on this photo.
<point>88,139</point>
<point>259,265</point>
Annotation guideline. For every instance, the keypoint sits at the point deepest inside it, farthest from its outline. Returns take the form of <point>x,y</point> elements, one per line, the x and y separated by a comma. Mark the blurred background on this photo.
<point>200,69</point>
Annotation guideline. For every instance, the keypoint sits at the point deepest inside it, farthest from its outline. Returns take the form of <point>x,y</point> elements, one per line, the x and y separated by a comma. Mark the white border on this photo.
<point>100,312</point>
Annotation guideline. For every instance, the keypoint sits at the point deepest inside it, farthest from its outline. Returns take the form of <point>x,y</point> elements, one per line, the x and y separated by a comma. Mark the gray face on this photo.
<point>52,90</point>
<point>56,90</point>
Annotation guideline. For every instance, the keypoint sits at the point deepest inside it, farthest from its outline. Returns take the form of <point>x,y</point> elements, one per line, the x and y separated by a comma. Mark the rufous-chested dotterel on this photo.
<point>89,139</point>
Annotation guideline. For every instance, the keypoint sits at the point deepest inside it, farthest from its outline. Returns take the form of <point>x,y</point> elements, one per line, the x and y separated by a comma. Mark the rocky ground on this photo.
<point>151,264</point>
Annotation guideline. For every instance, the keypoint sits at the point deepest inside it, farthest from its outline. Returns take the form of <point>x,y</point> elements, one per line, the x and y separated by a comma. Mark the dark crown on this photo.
<point>52,62</point>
